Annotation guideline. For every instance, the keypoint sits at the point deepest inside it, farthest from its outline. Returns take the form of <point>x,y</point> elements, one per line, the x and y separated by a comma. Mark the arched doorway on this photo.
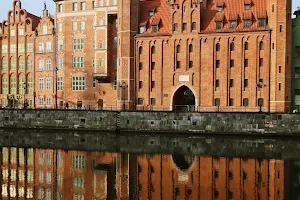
<point>100,104</point>
<point>184,99</point>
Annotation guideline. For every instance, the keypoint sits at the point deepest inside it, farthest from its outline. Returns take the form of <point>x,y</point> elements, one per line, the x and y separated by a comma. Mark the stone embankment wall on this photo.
<point>154,132</point>
<point>154,122</point>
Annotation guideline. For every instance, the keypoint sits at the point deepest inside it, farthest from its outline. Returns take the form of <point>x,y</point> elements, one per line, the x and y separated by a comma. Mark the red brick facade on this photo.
<point>224,55</point>
<point>56,174</point>
<point>229,54</point>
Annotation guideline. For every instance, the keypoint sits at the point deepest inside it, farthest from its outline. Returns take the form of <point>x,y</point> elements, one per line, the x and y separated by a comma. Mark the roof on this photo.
<point>233,10</point>
<point>161,16</point>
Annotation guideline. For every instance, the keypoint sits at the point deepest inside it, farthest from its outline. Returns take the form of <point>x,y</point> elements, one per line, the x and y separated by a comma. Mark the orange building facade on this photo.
<point>57,174</point>
<point>194,55</point>
<point>214,55</point>
<point>20,34</point>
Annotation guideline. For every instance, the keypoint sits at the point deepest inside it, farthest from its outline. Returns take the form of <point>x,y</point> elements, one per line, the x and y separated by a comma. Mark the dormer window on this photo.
<point>261,19</point>
<point>247,23</point>
<point>233,24</point>
<point>142,29</point>
<point>154,28</point>
<point>219,25</point>
<point>219,19</point>
<point>247,4</point>
<point>261,22</point>
<point>247,19</point>
<point>220,6</point>
<point>151,13</point>
<point>233,20</point>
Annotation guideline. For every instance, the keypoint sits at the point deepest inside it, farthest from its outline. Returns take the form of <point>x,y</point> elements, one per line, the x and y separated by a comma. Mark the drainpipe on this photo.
<point>269,92</point>
<point>134,76</point>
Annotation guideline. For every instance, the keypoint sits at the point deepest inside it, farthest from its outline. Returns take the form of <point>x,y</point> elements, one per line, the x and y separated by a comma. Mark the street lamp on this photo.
<point>123,85</point>
<point>260,85</point>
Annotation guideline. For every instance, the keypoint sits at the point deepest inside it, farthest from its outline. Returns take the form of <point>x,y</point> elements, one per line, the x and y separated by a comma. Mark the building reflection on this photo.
<point>57,174</point>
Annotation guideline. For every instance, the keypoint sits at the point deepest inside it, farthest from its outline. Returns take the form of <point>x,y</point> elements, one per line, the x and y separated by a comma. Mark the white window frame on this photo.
<point>59,27</point>
<point>13,48</point>
<point>60,63</point>
<point>59,8</point>
<point>13,32</point>
<point>48,64</point>
<point>41,65</point>
<point>83,6</point>
<point>45,29</point>
<point>74,25</point>
<point>60,44</point>
<point>41,84</point>
<point>48,83</point>
<point>82,25</point>
<point>78,62</point>
<point>78,44</point>
<point>60,83</point>
<point>48,46</point>
<point>4,48</point>
<point>21,47</point>
<point>78,83</point>
<point>75,6</point>
<point>41,47</point>
<point>21,31</point>
<point>41,100</point>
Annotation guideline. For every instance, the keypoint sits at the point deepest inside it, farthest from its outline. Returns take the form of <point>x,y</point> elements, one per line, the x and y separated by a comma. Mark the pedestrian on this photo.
<point>67,105</point>
<point>25,103</point>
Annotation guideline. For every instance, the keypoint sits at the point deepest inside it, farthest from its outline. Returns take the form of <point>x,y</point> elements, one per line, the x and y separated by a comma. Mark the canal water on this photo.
<point>77,175</point>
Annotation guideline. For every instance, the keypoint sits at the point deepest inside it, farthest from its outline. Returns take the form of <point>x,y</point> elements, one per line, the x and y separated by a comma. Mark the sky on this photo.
<point>36,6</point>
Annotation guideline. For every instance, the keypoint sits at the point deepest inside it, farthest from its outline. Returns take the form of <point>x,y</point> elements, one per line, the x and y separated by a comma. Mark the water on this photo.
<point>78,175</point>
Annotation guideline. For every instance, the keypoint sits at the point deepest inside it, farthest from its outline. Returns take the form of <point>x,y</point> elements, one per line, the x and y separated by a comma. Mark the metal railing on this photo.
<point>171,108</point>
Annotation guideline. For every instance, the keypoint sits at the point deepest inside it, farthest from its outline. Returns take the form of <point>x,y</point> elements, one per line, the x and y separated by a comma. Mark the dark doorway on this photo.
<point>183,162</point>
<point>184,99</point>
<point>100,104</point>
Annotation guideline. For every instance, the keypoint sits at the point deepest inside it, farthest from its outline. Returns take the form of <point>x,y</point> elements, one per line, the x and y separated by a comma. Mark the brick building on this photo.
<point>17,38</point>
<point>45,62</point>
<point>296,60</point>
<point>27,58</point>
<point>57,174</point>
<point>210,55</point>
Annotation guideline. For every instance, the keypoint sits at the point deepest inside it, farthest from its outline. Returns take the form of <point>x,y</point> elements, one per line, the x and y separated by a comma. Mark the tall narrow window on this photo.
<point>153,50</point>
<point>190,48</point>
<point>178,49</point>
<point>194,26</point>
<point>245,102</point>
<point>231,46</point>
<point>261,62</point>
<point>217,47</point>
<point>75,6</point>
<point>261,45</point>
<point>246,46</point>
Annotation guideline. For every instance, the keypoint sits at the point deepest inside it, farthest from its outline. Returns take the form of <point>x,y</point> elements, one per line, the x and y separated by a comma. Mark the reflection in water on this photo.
<point>56,174</point>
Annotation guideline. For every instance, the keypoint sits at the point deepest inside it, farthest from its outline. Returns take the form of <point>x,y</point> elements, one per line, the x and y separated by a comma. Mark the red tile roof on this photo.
<point>161,16</point>
<point>232,10</point>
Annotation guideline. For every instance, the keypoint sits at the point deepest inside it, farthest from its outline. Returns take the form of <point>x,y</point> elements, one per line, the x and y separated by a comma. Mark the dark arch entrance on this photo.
<point>182,162</point>
<point>184,99</point>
